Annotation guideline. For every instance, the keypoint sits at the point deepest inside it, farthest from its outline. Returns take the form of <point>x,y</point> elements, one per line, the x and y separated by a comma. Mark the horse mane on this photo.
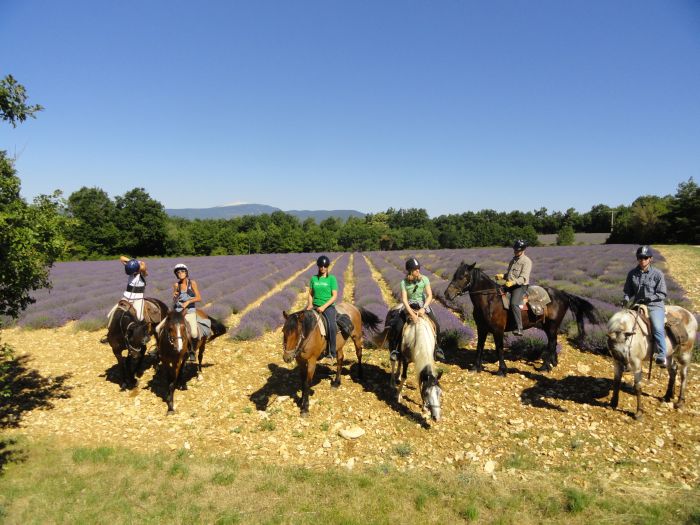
<point>308,321</point>
<point>481,273</point>
<point>620,322</point>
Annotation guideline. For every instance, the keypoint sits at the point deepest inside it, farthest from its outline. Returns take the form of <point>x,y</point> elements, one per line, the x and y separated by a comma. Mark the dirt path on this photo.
<point>246,407</point>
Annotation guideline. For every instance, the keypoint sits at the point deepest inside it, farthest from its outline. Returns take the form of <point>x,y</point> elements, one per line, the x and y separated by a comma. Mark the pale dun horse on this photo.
<point>631,344</point>
<point>417,345</point>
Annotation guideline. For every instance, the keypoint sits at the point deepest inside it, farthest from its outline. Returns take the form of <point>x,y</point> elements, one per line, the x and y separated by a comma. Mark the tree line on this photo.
<point>134,223</point>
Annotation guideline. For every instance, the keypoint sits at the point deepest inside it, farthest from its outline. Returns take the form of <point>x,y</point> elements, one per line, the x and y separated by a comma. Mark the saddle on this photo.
<point>673,325</point>
<point>342,320</point>
<point>534,300</point>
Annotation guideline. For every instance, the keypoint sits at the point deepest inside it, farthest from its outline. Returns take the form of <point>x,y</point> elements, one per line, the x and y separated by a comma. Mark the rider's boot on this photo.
<point>192,352</point>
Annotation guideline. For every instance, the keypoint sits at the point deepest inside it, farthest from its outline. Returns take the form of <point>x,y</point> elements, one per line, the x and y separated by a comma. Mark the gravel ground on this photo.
<point>246,406</point>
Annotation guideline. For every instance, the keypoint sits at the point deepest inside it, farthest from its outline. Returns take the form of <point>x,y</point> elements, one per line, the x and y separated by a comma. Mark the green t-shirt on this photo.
<point>322,288</point>
<point>415,290</point>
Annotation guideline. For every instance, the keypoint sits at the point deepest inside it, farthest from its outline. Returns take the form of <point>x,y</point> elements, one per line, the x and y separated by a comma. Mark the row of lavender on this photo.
<point>390,265</point>
<point>268,315</point>
<point>85,291</point>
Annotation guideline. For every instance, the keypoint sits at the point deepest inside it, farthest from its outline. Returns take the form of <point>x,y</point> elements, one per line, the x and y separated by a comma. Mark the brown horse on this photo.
<point>302,340</point>
<point>492,317</point>
<point>174,343</point>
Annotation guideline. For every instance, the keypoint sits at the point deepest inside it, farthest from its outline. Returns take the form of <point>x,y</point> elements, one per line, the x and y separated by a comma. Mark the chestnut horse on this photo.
<point>630,342</point>
<point>302,340</point>
<point>492,317</point>
<point>174,343</point>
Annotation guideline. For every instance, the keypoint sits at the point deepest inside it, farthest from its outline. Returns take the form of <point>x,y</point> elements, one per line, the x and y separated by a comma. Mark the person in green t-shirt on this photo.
<point>323,291</point>
<point>416,296</point>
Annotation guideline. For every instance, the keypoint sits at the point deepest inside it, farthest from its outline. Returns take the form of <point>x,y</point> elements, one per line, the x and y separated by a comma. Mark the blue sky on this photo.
<point>448,106</point>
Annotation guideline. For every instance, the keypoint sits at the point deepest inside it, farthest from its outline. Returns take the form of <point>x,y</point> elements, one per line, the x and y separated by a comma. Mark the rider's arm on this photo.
<point>142,268</point>
<point>334,296</point>
<point>310,298</point>
<point>176,292</point>
<point>407,308</point>
<point>428,296</point>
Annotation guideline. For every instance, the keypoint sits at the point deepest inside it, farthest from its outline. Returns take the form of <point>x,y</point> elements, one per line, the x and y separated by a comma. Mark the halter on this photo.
<point>287,355</point>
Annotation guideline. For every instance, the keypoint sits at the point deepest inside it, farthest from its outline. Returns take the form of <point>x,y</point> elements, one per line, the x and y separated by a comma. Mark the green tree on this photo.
<point>13,102</point>
<point>566,236</point>
<point>684,214</point>
<point>141,221</point>
<point>31,240</point>
<point>94,232</point>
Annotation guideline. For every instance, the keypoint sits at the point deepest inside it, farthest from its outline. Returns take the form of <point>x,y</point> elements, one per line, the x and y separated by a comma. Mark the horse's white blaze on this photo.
<point>179,339</point>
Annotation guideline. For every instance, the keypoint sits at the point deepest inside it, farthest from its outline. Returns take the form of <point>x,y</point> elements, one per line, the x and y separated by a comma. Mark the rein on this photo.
<point>287,355</point>
<point>129,346</point>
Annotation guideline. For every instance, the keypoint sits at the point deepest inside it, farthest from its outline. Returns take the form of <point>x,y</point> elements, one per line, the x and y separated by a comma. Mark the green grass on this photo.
<point>43,483</point>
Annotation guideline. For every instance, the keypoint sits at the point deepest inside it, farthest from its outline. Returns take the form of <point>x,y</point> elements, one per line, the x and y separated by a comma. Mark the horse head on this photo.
<point>620,328</point>
<point>431,392</point>
<point>294,333</point>
<point>175,331</point>
<point>136,336</point>
<point>461,281</point>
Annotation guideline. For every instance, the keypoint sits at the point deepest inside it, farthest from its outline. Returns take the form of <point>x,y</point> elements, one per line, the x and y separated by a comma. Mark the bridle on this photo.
<point>124,331</point>
<point>466,289</point>
<point>287,355</point>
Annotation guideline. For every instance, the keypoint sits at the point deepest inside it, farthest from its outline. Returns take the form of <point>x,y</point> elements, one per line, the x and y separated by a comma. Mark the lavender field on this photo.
<point>251,291</point>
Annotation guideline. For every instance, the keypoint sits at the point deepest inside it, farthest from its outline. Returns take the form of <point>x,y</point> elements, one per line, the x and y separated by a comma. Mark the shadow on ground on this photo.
<point>25,389</point>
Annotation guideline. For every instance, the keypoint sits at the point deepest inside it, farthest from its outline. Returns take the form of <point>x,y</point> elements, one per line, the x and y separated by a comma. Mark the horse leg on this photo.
<point>550,355</point>
<point>307,374</point>
<point>638,393</point>
<point>121,365</point>
<point>357,341</point>
<point>171,396</point>
<point>502,368</point>
<point>672,370</point>
<point>338,366</point>
<point>681,389</point>
<point>481,340</point>
<point>202,344</point>
<point>619,367</point>
<point>404,373</point>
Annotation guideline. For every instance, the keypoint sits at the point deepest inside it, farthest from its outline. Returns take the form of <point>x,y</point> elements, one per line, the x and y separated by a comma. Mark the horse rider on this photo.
<point>646,285</point>
<point>323,291</point>
<point>185,295</point>
<point>416,296</point>
<point>517,279</point>
<point>135,288</point>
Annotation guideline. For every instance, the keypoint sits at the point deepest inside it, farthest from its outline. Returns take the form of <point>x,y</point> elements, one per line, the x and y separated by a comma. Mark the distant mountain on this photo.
<point>238,210</point>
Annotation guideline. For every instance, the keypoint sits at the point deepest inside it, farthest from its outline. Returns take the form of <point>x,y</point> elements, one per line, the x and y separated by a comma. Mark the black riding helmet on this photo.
<point>643,252</point>
<point>412,264</point>
<point>519,245</point>
<point>323,261</point>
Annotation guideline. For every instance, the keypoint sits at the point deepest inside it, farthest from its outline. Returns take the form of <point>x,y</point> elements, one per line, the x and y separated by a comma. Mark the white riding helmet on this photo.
<point>180,266</point>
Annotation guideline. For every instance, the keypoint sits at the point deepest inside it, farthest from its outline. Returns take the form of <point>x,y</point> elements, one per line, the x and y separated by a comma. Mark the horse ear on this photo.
<point>285,314</point>
<point>471,266</point>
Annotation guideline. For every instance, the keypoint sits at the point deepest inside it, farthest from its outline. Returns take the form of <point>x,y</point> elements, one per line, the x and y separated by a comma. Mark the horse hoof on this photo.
<point>475,370</point>
<point>544,368</point>
<point>200,377</point>
<point>170,412</point>
<point>638,415</point>
<point>305,413</point>
<point>678,404</point>
<point>335,384</point>
<point>501,372</point>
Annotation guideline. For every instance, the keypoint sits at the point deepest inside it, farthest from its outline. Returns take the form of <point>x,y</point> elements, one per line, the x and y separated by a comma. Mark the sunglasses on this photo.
<point>643,258</point>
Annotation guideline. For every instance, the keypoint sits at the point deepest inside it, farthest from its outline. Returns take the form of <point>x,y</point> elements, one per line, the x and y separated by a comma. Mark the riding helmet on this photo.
<point>412,264</point>
<point>323,262</point>
<point>520,244</point>
<point>643,252</point>
<point>180,266</point>
<point>132,266</point>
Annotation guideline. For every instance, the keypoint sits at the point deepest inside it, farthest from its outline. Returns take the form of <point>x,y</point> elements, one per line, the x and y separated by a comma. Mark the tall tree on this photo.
<point>95,232</point>
<point>141,221</point>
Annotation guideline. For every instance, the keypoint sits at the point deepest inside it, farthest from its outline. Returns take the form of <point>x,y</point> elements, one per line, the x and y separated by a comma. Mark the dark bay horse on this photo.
<point>492,317</point>
<point>302,340</point>
<point>126,332</point>
<point>174,343</point>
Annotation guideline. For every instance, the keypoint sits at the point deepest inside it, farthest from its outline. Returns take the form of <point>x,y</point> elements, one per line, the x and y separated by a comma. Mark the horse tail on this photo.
<point>370,320</point>
<point>217,328</point>
<point>582,308</point>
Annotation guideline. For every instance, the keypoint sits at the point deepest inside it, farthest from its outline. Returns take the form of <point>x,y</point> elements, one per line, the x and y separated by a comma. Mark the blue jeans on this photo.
<point>656,315</point>
<point>329,314</point>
